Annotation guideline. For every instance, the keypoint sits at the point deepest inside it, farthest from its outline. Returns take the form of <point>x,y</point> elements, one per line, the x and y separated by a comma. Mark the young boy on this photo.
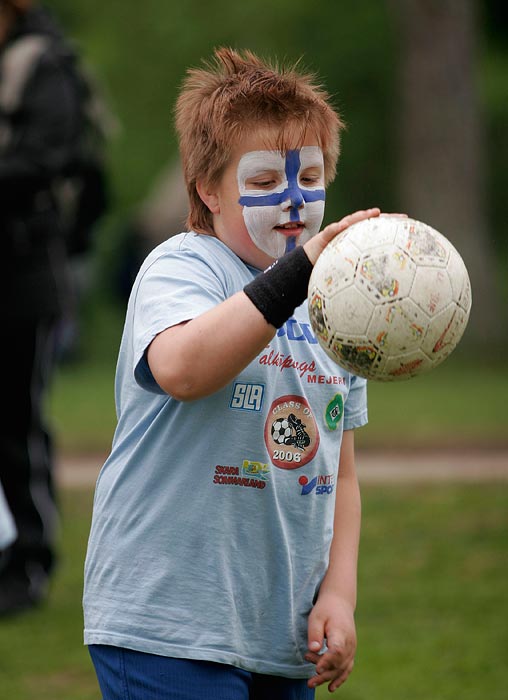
<point>223,551</point>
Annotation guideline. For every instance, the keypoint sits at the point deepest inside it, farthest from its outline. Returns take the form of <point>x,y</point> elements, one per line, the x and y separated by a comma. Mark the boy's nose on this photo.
<point>295,200</point>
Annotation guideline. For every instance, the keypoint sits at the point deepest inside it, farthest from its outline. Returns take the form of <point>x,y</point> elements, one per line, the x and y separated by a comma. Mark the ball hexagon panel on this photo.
<point>349,310</point>
<point>406,366</point>
<point>465,299</point>
<point>376,232</point>
<point>444,332</point>
<point>459,280</point>
<point>398,327</point>
<point>432,290</point>
<point>385,276</point>
<point>423,244</point>
<point>356,355</point>
<point>335,267</point>
<point>316,306</point>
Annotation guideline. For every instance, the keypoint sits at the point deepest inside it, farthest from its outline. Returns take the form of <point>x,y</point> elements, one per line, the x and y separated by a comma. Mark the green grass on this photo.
<point>42,655</point>
<point>432,602</point>
<point>82,408</point>
<point>460,403</point>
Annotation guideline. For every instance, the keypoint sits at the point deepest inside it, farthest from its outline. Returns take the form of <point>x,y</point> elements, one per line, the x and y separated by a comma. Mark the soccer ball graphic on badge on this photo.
<point>281,431</point>
<point>389,298</point>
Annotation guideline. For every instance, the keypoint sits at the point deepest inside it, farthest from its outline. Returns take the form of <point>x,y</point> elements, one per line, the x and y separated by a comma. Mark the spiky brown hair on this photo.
<point>231,95</point>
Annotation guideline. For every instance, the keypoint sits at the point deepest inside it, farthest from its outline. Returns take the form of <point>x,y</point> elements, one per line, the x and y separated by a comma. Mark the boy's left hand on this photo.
<point>332,618</point>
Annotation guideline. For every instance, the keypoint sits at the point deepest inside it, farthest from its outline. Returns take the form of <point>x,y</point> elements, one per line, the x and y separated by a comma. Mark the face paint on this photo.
<point>273,193</point>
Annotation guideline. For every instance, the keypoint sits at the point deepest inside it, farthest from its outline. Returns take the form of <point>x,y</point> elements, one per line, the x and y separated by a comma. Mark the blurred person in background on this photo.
<point>41,122</point>
<point>7,527</point>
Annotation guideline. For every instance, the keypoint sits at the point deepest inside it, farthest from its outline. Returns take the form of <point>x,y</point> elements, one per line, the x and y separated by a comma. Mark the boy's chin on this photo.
<point>277,244</point>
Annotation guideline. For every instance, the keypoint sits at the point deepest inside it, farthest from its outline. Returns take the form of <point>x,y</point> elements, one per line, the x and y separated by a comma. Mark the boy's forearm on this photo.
<point>341,576</point>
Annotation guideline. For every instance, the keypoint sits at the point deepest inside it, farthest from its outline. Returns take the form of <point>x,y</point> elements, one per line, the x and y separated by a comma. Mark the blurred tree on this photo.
<point>494,85</point>
<point>441,142</point>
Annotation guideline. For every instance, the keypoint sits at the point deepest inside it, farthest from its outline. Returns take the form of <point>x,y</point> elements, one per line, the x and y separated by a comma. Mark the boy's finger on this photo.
<point>315,636</point>
<point>338,226</point>
<point>342,678</point>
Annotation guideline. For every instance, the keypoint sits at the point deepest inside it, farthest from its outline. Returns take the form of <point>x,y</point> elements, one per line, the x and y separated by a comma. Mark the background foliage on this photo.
<point>140,54</point>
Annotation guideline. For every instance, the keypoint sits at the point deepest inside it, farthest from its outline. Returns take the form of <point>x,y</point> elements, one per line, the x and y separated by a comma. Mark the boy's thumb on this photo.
<point>315,636</point>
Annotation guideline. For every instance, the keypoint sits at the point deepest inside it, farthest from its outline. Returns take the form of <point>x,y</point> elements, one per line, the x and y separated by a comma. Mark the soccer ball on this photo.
<point>281,431</point>
<point>389,298</point>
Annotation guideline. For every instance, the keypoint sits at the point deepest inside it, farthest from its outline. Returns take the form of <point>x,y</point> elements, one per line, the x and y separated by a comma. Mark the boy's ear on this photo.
<point>208,196</point>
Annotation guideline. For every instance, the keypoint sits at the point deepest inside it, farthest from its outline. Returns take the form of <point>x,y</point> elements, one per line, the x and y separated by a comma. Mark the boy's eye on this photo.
<point>261,184</point>
<point>311,179</point>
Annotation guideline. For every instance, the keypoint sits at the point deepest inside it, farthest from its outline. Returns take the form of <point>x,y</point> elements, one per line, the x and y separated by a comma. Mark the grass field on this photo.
<point>432,612</point>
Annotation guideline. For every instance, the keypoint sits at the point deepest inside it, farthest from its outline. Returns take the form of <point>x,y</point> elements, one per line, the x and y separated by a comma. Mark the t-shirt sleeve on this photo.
<point>176,287</point>
<point>355,409</point>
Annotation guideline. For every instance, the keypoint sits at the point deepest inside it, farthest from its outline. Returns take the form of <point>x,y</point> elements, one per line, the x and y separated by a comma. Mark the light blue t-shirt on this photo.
<point>213,518</point>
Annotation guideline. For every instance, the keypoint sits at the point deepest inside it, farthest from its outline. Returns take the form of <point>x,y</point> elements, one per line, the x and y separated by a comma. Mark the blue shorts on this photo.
<point>133,675</point>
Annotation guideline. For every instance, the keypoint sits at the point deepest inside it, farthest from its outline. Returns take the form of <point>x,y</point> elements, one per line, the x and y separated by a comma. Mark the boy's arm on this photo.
<point>197,358</point>
<point>332,618</point>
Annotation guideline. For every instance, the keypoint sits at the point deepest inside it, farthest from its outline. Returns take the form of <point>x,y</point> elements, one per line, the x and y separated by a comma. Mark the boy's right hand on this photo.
<point>315,246</point>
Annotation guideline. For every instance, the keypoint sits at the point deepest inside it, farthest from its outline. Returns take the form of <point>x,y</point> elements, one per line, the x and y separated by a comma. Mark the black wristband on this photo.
<point>282,287</point>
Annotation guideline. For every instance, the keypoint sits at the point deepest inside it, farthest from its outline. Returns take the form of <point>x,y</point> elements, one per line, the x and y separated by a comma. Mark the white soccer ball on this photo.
<point>389,298</point>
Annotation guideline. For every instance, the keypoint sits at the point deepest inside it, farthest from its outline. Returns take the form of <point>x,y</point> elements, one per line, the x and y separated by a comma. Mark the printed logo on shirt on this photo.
<point>291,432</point>
<point>247,397</point>
<point>251,474</point>
<point>297,331</point>
<point>334,412</point>
<point>323,379</point>
<point>321,485</point>
<point>282,362</point>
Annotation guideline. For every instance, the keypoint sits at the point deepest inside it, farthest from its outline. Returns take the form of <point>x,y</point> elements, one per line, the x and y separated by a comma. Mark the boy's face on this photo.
<point>268,201</point>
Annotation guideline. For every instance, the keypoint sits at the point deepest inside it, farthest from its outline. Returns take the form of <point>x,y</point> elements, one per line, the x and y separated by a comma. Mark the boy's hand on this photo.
<point>332,618</point>
<point>315,246</point>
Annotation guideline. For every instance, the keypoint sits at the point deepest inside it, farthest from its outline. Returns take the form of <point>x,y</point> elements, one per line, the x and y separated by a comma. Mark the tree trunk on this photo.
<point>441,144</point>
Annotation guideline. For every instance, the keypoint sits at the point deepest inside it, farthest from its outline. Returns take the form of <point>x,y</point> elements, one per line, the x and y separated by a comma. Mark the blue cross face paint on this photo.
<point>283,197</point>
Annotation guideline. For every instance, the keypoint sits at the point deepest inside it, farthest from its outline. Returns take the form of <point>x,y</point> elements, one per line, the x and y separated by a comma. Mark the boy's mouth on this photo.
<point>292,228</point>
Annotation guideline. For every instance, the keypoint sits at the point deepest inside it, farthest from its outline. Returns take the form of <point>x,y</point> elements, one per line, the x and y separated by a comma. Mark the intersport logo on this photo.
<point>321,485</point>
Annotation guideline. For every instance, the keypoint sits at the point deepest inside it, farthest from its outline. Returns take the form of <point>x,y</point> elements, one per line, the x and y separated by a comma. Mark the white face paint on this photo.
<point>283,197</point>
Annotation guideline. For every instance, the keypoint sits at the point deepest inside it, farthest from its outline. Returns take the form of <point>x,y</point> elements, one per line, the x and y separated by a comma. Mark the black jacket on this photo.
<point>39,125</point>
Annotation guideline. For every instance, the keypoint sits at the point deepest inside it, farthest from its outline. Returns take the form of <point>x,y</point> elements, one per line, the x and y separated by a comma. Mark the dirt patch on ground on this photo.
<point>80,471</point>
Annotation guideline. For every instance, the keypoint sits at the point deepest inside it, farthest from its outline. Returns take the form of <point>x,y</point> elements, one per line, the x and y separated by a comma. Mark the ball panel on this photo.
<point>335,267</point>
<point>465,299</point>
<point>357,355</point>
<point>317,316</point>
<point>384,276</point>
<point>432,290</point>
<point>423,244</point>
<point>459,280</point>
<point>455,269</point>
<point>398,327</point>
<point>444,332</point>
<point>378,232</point>
<point>406,366</point>
<point>348,310</point>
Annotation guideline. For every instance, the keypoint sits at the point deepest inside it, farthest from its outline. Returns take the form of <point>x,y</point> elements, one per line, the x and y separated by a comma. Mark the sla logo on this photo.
<point>322,484</point>
<point>247,397</point>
